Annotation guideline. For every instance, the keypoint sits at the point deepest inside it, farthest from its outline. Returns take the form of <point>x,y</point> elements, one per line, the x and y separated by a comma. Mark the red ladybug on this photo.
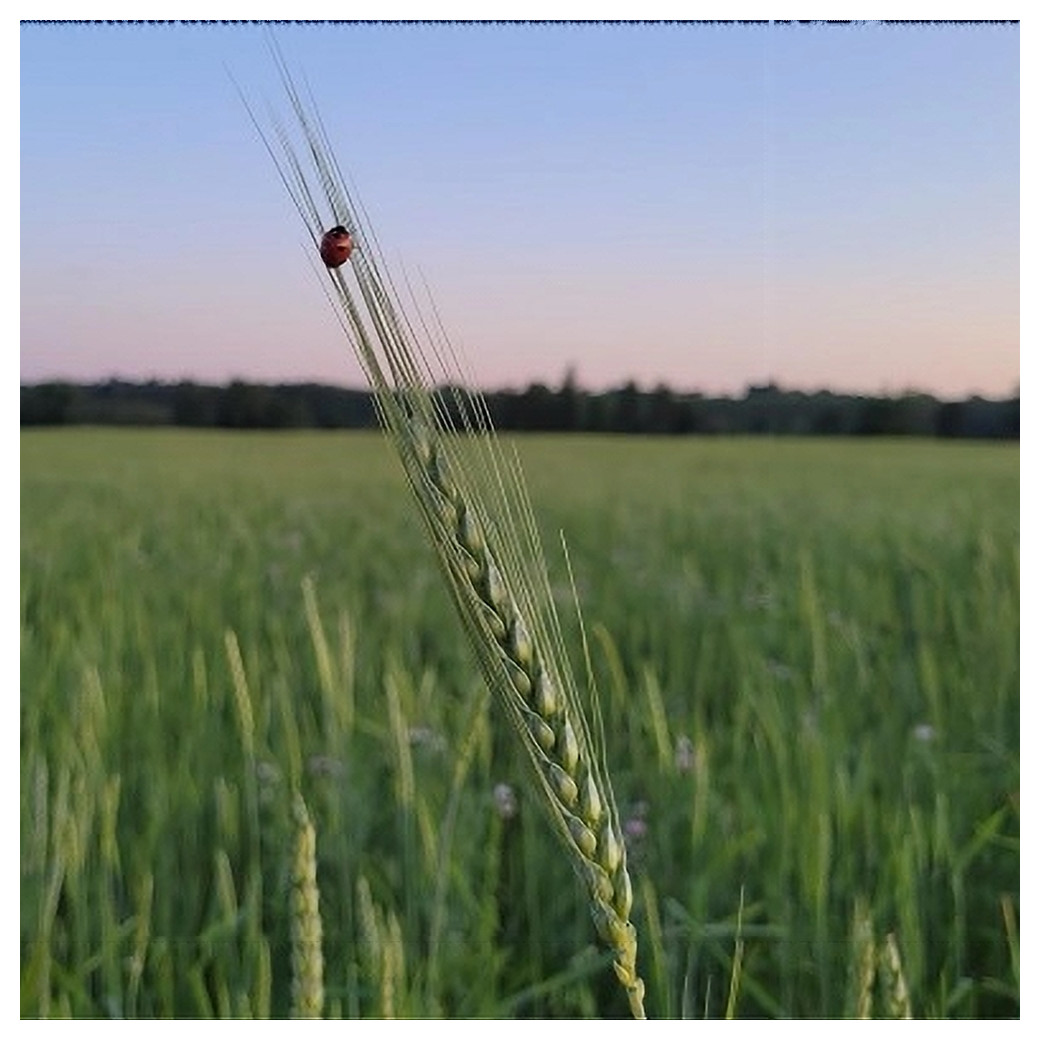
<point>336,246</point>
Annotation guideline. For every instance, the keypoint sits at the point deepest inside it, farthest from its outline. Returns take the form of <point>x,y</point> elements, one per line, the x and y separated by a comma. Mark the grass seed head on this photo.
<point>461,479</point>
<point>308,995</point>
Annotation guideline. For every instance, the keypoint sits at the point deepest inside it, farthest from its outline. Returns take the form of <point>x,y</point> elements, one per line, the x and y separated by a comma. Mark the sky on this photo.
<point>705,206</point>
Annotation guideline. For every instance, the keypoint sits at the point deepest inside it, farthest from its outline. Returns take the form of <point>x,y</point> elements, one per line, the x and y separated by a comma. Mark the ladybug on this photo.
<point>336,246</point>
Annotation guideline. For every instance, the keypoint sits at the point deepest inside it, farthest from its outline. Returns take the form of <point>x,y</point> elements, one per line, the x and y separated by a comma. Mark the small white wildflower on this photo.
<point>924,733</point>
<point>635,826</point>
<point>685,756</point>
<point>505,801</point>
<point>424,737</point>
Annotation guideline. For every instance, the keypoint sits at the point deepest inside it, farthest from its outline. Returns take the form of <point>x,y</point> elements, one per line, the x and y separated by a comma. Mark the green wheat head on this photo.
<point>474,502</point>
<point>308,992</point>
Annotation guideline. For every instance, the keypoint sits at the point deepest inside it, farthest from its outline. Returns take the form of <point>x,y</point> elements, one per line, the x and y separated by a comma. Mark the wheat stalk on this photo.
<point>474,502</point>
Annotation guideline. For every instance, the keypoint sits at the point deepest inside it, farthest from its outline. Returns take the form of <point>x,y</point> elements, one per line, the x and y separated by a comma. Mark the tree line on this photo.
<point>764,409</point>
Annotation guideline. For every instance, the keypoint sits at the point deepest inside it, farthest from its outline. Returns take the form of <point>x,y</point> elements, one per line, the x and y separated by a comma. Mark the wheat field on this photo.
<point>807,654</point>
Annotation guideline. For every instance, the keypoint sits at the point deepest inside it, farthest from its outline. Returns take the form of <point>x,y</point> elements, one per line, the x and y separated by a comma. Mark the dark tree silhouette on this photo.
<point>763,409</point>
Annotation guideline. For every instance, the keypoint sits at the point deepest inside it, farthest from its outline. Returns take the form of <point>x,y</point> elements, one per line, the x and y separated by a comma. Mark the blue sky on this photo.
<point>707,206</point>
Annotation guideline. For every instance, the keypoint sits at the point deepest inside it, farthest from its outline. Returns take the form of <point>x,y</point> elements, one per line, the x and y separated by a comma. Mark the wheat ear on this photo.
<point>308,993</point>
<point>551,727</point>
<point>895,994</point>
<point>475,506</point>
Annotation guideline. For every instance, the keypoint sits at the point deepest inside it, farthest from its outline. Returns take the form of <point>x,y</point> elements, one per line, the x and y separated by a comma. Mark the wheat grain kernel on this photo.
<point>591,803</point>
<point>610,850</point>
<point>583,837</point>
<point>547,700</point>
<point>468,532</point>
<point>494,623</point>
<point>521,680</point>
<point>542,732</point>
<point>569,752</point>
<point>564,785</point>
<point>623,893</point>
<point>521,649</point>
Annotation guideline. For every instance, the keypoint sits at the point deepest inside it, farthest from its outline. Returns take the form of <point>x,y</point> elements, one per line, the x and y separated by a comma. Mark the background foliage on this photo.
<point>807,652</point>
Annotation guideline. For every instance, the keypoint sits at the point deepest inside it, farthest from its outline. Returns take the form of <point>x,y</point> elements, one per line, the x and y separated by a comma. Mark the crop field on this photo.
<point>807,658</point>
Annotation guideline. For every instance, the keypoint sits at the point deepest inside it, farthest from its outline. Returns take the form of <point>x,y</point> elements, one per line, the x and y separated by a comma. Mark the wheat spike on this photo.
<point>475,506</point>
<point>895,994</point>
<point>551,726</point>
<point>308,995</point>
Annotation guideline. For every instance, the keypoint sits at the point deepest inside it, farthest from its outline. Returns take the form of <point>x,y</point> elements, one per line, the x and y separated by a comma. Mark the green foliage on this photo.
<point>807,655</point>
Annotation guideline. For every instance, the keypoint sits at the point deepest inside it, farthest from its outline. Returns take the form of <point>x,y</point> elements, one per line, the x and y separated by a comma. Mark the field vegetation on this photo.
<point>236,648</point>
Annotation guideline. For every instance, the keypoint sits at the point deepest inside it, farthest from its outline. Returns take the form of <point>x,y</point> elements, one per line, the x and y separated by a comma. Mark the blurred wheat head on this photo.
<point>308,994</point>
<point>473,499</point>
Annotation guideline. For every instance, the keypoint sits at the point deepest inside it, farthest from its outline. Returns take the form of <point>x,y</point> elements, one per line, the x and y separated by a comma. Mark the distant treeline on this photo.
<point>628,409</point>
